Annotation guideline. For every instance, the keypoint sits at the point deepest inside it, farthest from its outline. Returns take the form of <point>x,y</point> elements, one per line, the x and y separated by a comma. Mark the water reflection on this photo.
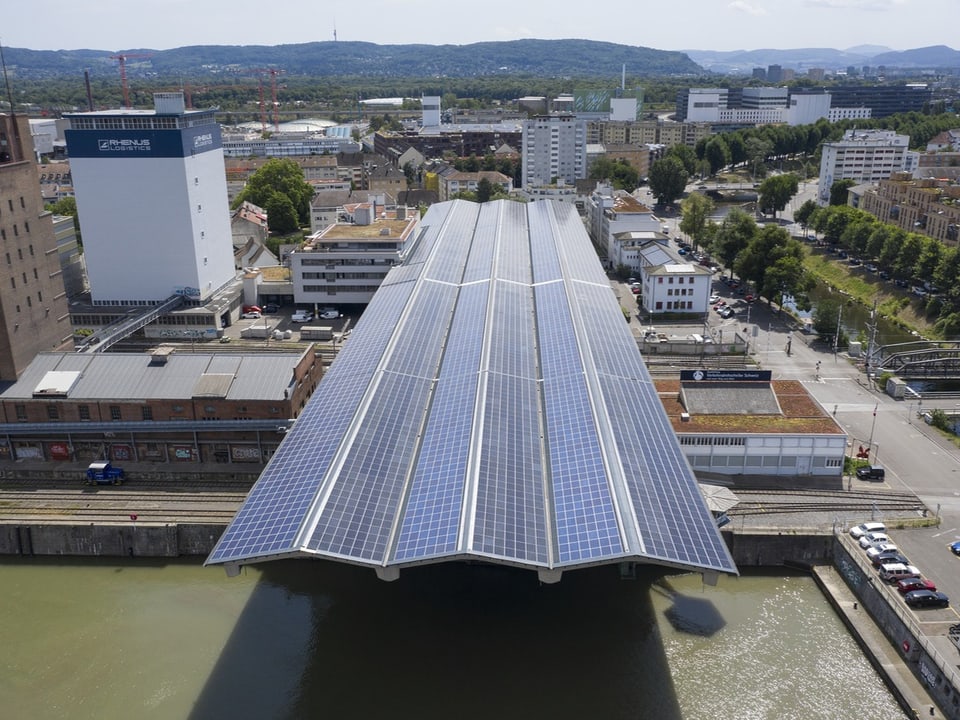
<point>299,639</point>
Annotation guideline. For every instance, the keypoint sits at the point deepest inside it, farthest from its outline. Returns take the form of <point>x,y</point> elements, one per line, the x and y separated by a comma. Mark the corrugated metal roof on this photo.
<point>212,386</point>
<point>135,377</point>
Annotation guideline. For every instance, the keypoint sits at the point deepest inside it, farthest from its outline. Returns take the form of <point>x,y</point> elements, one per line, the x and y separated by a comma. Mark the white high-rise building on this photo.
<point>865,156</point>
<point>554,148</point>
<point>152,199</point>
<point>431,110</point>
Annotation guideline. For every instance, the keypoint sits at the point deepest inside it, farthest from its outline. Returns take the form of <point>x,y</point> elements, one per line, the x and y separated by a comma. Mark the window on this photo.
<point>53,412</point>
<point>83,411</point>
<point>114,412</point>
<point>21,410</point>
<point>146,412</point>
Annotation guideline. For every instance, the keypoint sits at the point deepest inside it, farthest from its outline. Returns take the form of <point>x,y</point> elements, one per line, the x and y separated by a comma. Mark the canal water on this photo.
<point>299,639</point>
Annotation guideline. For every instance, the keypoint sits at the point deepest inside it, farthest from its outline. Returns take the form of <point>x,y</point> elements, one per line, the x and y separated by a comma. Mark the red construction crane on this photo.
<point>272,72</point>
<point>123,57</point>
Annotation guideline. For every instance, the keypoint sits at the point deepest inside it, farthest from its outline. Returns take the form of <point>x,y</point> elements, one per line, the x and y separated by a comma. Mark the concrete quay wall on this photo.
<point>136,539</point>
<point>129,539</point>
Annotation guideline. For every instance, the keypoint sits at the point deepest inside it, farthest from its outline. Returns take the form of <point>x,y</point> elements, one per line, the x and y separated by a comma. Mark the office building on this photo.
<point>34,315</point>
<point>152,197</point>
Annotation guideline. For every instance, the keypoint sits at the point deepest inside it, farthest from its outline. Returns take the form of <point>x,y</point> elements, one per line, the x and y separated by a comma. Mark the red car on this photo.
<point>909,584</point>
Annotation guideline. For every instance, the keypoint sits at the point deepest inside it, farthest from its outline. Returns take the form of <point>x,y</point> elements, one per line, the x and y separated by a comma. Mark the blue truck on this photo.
<point>103,473</point>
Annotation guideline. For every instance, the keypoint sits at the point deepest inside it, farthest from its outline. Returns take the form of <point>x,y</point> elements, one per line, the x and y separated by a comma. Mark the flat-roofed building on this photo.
<point>345,263</point>
<point>741,422</point>
<point>864,156</point>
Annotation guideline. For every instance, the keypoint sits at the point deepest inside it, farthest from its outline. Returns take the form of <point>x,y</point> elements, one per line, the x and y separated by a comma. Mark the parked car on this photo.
<point>915,583</point>
<point>955,547</point>
<point>726,312</point>
<point>926,598</point>
<point>875,550</point>
<point>302,316</point>
<point>858,531</point>
<point>329,314</point>
<point>714,299</point>
<point>892,572</point>
<point>889,557</point>
<point>252,308</point>
<point>874,538</point>
<point>271,308</point>
<point>250,315</point>
<point>871,472</point>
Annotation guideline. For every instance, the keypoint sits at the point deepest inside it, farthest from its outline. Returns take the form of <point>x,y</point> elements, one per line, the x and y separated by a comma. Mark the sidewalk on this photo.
<point>886,659</point>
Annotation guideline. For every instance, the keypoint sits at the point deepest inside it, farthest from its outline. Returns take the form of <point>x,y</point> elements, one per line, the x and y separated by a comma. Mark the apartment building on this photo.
<point>554,147</point>
<point>919,205</point>
<point>864,156</point>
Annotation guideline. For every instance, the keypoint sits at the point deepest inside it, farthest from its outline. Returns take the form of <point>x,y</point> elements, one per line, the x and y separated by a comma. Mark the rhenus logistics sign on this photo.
<point>175,143</point>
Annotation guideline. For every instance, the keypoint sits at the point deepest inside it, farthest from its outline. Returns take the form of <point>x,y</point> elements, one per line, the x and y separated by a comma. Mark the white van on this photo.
<point>891,572</point>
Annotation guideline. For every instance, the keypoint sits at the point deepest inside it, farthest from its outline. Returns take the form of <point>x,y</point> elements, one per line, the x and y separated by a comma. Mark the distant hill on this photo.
<point>936,56</point>
<point>543,58</point>
<point>742,61</point>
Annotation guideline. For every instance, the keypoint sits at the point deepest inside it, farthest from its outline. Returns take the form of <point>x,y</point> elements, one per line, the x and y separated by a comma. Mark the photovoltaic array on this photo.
<point>490,404</point>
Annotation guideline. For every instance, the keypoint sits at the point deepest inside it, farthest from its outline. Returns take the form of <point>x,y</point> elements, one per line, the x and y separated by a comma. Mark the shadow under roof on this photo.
<point>491,404</point>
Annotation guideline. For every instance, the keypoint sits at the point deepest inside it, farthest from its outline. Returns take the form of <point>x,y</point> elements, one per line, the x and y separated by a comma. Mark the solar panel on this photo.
<point>431,520</point>
<point>491,402</point>
<point>510,516</point>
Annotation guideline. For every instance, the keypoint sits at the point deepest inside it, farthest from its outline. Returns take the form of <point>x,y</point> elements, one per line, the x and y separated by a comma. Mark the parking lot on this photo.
<point>274,324</point>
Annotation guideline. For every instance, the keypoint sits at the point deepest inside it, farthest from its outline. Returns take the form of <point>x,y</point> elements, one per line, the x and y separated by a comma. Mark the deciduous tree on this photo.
<point>668,179</point>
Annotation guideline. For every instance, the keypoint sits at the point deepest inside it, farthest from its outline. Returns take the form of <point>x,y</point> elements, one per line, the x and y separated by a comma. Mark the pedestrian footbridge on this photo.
<point>918,360</point>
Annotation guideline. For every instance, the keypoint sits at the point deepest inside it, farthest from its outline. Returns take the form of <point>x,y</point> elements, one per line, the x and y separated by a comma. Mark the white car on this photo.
<point>302,316</point>
<point>714,299</point>
<point>860,530</point>
<point>252,315</point>
<point>875,550</point>
<point>874,538</point>
<point>329,314</point>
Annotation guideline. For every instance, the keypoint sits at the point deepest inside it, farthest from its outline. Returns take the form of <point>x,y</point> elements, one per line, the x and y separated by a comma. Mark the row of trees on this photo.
<point>753,148</point>
<point>907,256</point>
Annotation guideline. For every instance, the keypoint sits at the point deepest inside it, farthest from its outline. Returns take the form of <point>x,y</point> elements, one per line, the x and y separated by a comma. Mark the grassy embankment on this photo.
<point>893,303</point>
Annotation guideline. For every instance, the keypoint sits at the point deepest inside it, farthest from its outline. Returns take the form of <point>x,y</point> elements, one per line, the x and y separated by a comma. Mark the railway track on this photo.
<point>99,504</point>
<point>774,502</point>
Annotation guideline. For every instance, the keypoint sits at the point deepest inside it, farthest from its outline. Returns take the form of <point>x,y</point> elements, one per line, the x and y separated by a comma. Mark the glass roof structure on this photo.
<point>490,405</point>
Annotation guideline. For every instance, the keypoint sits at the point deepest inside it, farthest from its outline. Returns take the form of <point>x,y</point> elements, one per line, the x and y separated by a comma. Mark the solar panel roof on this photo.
<point>491,404</point>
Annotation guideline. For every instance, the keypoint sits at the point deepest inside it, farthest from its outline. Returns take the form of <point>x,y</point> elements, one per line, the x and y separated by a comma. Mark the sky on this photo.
<point>691,24</point>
